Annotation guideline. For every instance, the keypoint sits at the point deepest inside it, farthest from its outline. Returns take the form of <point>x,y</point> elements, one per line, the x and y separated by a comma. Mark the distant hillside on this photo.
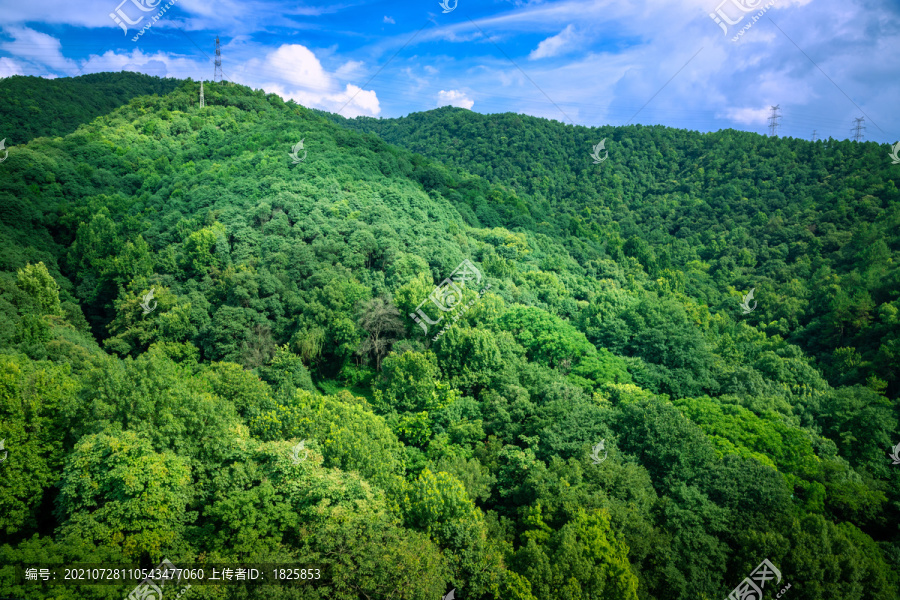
<point>35,107</point>
<point>814,227</point>
<point>207,355</point>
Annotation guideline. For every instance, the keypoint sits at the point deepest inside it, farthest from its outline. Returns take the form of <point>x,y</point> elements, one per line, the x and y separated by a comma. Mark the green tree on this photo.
<point>286,373</point>
<point>381,320</point>
<point>35,281</point>
<point>32,395</point>
<point>349,435</point>
<point>116,491</point>
<point>409,382</point>
<point>583,559</point>
<point>469,358</point>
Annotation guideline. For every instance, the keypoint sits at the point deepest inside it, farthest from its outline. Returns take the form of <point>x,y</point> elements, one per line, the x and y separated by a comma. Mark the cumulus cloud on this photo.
<point>389,20</point>
<point>151,67</point>
<point>593,62</point>
<point>560,43</point>
<point>294,64</point>
<point>228,17</point>
<point>294,72</point>
<point>158,63</point>
<point>38,49</point>
<point>747,116</point>
<point>454,98</point>
<point>9,67</point>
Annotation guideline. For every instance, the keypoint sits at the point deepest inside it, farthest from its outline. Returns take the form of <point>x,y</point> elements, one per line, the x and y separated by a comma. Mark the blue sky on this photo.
<point>825,62</point>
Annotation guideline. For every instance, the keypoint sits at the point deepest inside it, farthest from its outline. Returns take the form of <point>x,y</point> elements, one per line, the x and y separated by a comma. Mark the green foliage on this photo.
<point>31,396</point>
<point>286,373</point>
<point>437,503</point>
<point>551,341</point>
<point>581,560</point>
<point>200,250</point>
<point>410,382</point>
<point>248,394</point>
<point>35,281</point>
<point>41,107</point>
<point>470,358</point>
<point>860,422</point>
<point>667,444</point>
<point>349,435</point>
<point>115,490</point>
<point>612,315</point>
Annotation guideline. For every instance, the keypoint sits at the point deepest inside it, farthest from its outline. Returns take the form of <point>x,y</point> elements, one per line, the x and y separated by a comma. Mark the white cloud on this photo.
<point>350,102</point>
<point>9,67</point>
<point>151,67</point>
<point>294,72</point>
<point>358,102</point>
<point>293,64</point>
<point>666,61</point>
<point>152,64</point>
<point>747,116</point>
<point>610,61</point>
<point>351,68</point>
<point>454,98</point>
<point>228,17</point>
<point>560,43</point>
<point>38,49</point>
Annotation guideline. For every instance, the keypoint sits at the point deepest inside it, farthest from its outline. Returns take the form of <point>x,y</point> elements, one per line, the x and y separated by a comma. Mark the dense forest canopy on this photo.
<point>34,106</point>
<point>812,226</point>
<point>182,304</point>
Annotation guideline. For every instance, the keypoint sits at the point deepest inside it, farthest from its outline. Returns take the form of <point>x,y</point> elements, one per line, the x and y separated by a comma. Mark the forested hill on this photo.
<point>813,227</point>
<point>206,355</point>
<point>34,106</point>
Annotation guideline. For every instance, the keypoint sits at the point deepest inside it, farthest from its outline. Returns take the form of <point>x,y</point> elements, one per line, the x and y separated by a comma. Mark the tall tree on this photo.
<point>381,320</point>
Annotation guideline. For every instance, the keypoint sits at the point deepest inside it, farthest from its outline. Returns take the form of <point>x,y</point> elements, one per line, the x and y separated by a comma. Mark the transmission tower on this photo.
<point>217,76</point>
<point>202,103</point>
<point>814,135</point>
<point>858,128</point>
<point>773,120</point>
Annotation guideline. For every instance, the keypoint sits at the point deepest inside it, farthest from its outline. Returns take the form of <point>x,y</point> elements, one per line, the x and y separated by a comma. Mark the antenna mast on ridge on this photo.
<point>773,120</point>
<point>858,128</point>
<point>217,76</point>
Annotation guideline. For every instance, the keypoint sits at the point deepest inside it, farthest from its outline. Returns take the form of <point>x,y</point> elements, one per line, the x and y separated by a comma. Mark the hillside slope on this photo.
<point>813,227</point>
<point>37,107</point>
<point>183,302</point>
